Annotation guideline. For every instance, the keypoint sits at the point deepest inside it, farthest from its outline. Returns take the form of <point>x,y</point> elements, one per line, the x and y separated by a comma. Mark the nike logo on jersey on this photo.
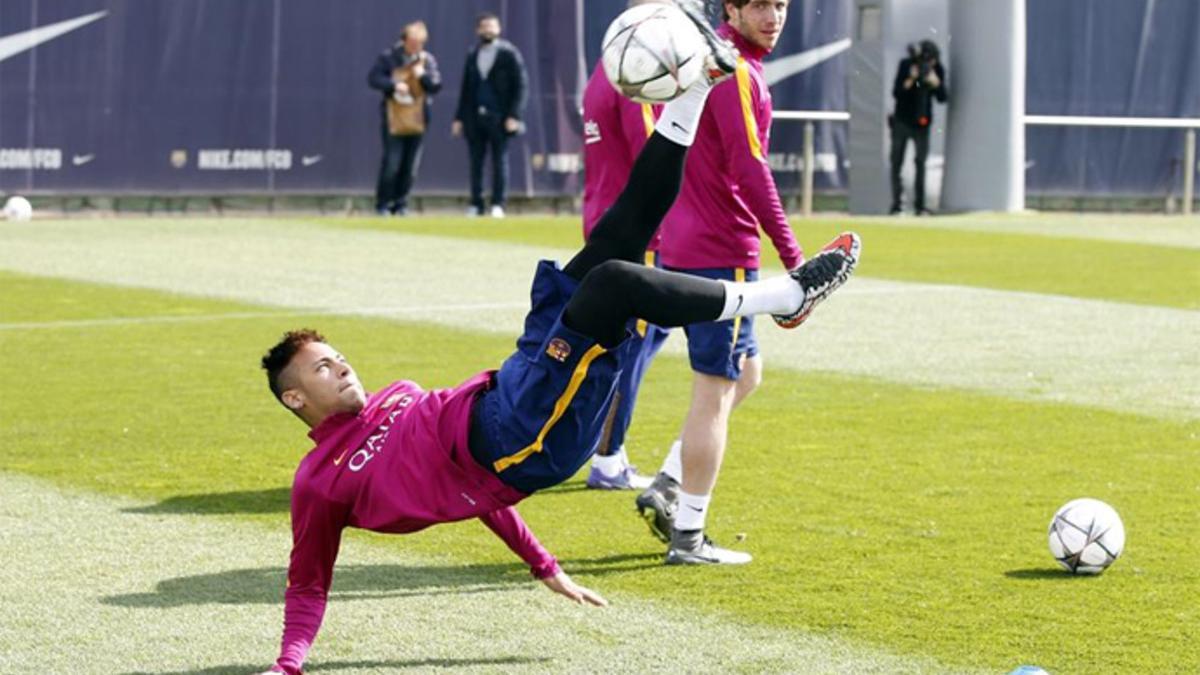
<point>340,458</point>
<point>678,126</point>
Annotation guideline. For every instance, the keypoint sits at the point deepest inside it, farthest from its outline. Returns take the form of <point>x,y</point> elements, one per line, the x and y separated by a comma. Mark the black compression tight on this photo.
<point>627,227</point>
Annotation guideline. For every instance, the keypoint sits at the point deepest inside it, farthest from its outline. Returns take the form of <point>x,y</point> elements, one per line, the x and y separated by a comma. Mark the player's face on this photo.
<point>488,30</point>
<point>321,383</point>
<point>759,21</point>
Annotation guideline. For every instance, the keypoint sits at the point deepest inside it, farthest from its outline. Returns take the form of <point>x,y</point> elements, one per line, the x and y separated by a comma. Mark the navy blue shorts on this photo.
<point>717,347</point>
<point>543,417</point>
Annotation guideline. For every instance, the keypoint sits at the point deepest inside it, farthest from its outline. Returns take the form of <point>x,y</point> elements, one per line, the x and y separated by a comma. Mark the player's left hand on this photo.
<point>512,125</point>
<point>563,585</point>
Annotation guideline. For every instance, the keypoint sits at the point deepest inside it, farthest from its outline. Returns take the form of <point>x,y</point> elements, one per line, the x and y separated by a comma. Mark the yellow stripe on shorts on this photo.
<point>560,407</point>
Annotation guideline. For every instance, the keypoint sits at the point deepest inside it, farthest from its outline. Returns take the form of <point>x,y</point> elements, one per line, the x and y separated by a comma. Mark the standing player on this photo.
<point>402,459</point>
<point>614,130</point>
<point>728,193</point>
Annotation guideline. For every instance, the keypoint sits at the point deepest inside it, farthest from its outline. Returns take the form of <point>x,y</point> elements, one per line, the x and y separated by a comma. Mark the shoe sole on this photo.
<point>650,515</point>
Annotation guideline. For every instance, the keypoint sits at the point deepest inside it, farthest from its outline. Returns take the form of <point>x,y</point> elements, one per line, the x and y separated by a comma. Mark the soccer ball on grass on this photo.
<point>18,208</point>
<point>1086,536</point>
<point>652,53</point>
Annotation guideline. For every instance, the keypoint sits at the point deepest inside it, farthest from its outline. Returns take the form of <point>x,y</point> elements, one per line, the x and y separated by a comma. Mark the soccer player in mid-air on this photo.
<point>401,459</point>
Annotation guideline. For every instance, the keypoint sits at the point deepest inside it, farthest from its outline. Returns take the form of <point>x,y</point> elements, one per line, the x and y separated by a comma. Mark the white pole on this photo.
<point>808,169</point>
<point>1189,170</point>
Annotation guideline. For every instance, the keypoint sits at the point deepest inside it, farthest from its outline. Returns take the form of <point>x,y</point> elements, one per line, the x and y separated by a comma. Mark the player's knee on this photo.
<point>611,275</point>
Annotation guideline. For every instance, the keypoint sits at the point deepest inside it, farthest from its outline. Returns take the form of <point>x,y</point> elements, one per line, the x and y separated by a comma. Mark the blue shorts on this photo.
<point>717,347</point>
<point>543,416</point>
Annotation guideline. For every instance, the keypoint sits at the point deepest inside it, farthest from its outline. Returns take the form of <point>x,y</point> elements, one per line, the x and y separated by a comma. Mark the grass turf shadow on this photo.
<point>1045,574</point>
<point>274,500</point>
<point>265,585</point>
<point>319,666</point>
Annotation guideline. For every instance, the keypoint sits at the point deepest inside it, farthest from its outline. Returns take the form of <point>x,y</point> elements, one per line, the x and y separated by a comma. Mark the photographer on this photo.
<point>919,79</point>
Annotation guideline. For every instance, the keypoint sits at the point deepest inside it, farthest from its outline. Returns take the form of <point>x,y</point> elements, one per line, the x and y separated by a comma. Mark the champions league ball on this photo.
<point>18,209</point>
<point>652,53</point>
<point>1086,536</point>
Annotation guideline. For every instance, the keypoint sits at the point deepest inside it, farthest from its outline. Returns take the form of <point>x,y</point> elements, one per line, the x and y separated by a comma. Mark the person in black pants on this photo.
<point>408,77</point>
<point>491,103</point>
<point>919,79</point>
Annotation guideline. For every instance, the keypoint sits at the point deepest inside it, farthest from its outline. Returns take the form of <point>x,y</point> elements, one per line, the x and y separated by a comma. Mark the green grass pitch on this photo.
<point>895,526</point>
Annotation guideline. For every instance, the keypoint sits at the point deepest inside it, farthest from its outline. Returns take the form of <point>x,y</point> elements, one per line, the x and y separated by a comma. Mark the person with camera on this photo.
<point>919,80</point>
<point>407,76</point>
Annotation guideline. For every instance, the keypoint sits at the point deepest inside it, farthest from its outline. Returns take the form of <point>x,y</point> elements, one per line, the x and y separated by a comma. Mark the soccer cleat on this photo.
<point>658,504</point>
<point>707,553</point>
<point>722,56</point>
<point>823,274</point>
<point>626,479</point>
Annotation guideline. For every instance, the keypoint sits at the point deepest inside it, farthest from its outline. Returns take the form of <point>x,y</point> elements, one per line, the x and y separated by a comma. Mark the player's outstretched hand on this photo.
<point>563,585</point>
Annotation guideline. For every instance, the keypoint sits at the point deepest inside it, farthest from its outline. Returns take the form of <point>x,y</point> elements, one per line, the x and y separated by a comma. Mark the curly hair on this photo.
<point>279,356</point>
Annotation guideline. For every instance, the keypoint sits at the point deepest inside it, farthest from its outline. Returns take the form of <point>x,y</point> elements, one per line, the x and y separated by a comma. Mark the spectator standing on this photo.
<point>408,77</point>
<point>491,104</point>
<point>919,80</point>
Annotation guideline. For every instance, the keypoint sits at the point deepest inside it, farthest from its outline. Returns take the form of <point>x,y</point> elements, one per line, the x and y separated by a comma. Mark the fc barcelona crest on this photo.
<point>559,350</point>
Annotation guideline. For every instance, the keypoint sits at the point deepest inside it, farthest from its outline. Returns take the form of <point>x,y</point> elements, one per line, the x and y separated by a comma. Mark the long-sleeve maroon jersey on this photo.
<point>399,465</point>
<point>728,190</point>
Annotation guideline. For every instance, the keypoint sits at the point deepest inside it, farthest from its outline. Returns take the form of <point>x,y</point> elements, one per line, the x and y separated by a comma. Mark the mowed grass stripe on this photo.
<point>1065,260</point>
<point>119,590</point>
<point>884,515</point>
<point>1120,356</point>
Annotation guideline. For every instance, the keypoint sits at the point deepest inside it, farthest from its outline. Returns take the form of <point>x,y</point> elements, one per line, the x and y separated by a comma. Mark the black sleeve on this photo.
<point>460,114</point>
<point>520,94</point>
<point>432,79</point>
<point>940,93</point>
<point>380,77</point>
<point>898,89</point>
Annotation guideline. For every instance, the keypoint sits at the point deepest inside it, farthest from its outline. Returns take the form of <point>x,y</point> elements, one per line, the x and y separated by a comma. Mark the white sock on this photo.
<point>691,512</point>
<point>610,465</point>
<point>681,117</point>
<point>673,464</point>
<point>777,295</point>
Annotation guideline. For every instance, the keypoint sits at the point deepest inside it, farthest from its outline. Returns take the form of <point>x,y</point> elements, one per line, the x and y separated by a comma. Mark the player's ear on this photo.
<point>293,399</point>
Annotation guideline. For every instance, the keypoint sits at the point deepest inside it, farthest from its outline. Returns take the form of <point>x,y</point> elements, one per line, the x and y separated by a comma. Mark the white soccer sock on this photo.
<point>681,117</point>
<point>777,295</point>
<point>691,512</point>
<point>673,464</point>
<point>610,465</point>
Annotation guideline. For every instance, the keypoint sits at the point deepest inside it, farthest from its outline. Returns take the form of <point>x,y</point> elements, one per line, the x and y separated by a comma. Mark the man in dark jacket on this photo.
<point>491,103</point>
<point>408,77</point>
<point>919,79</point>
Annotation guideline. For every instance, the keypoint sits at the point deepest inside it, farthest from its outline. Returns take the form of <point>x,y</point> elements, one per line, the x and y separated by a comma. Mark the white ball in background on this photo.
<point>18,209</point>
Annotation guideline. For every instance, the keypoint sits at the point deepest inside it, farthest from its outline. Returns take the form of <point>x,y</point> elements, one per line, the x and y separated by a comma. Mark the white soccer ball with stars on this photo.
<point>18,209</point>
<point>652,53</point>
<point>1086,536</point>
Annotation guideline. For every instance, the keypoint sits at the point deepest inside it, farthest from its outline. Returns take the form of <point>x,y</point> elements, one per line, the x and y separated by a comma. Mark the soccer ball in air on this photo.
<point>18,209</point>
<point>652,53</point>
<point>1086,536</point>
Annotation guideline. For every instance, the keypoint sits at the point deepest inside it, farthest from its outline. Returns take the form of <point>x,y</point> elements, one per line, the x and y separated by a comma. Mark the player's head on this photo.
<point>759,21</point>
<point>312,379</point>
<point>414,36</point>
<point>487,27</point>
